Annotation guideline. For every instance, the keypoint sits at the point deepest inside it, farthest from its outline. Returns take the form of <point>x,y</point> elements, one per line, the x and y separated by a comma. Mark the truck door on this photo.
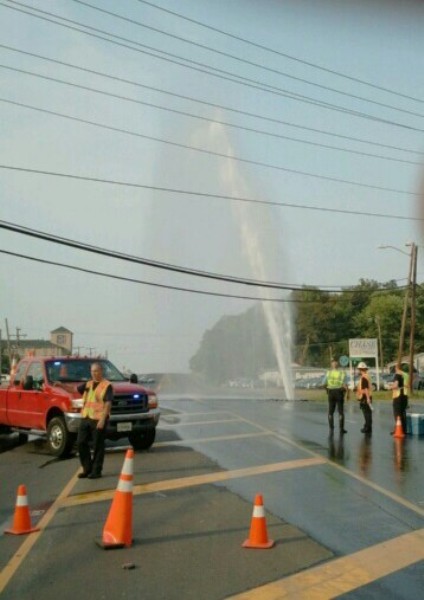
<point>32,399</point>
<point>15,416</point>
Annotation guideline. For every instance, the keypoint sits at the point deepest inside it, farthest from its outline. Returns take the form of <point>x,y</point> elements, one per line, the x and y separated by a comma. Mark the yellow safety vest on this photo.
<point>94,399</point>
<point>405,383</point>
<point>335,379</point>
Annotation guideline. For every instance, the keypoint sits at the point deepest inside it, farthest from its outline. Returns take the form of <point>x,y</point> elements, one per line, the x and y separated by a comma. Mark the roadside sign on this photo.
<point>344,361</point>
<point>363,347</point>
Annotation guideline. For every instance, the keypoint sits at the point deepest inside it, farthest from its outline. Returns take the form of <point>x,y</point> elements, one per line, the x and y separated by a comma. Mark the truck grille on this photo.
<point>130,403</point>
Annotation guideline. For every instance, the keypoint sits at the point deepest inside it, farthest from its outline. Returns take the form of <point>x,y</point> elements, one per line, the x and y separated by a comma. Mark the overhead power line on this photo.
<point>283,54</point>
<point>140,281</point>
<point>48,237</point>
<point>200,67</point>
<point>207,119</point>
<point>210,104</point>
<point>208,195</point>
<point>209,152</point>
<point>244,60</point>
<point>160,285</point>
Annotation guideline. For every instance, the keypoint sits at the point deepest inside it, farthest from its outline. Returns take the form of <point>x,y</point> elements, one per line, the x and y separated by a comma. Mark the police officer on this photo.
<point>97,396</point>
<point>335,382</point>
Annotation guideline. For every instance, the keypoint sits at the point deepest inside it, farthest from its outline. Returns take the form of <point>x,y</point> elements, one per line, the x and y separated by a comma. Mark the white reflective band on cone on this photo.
<point>125,486</point>
<point>127,469</point>
<point>21,501</point>
<point>258,511</point>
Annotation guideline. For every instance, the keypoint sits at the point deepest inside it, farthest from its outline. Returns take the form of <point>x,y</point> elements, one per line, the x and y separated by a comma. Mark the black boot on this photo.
<point>331,422</point>
<point>341,422</point>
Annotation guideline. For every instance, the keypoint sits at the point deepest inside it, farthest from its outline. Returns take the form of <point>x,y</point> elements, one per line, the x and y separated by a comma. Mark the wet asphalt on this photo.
<point>187,542</point>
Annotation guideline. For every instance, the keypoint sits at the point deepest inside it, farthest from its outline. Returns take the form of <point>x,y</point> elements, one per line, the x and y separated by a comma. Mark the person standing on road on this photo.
<point>97,396</point>
<point>406,386</point>
<point>400,399</point>
<point>335,382</point>
<point>364,395</point>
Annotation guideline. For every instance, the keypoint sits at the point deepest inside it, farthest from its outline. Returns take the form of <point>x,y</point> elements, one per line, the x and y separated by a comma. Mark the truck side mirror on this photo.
<point>28,383</point>
<point>133,378</point>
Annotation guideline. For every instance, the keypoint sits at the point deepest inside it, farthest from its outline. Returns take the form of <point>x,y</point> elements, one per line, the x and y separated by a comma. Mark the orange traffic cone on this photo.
<point>117,531</point>
<point>398,429</point>
<point>21,519</point>
<point>258,537</point>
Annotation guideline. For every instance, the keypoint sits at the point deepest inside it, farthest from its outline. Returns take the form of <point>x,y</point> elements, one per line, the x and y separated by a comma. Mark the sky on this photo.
<point>312,108</point>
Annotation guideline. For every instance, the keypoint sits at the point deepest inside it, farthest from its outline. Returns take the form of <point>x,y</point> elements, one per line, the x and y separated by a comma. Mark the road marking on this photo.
<point>367,482</point>
<point>217,438</point>
<point>189,423</point>
<point>345,574</point>
<point>182,482</point>
<point>196,414</point>
<point>9,570</point>
<point>188,442</point>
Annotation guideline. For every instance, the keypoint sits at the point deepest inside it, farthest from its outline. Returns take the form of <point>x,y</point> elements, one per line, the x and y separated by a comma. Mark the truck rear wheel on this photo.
<point>142,440</point>
<point>59,440</point>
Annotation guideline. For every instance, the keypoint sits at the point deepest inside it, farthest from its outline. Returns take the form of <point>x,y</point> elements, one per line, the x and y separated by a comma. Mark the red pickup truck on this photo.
<point>42,398</point>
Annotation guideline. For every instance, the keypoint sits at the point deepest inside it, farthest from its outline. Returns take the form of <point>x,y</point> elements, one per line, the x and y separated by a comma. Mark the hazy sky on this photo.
<point>371,55</point>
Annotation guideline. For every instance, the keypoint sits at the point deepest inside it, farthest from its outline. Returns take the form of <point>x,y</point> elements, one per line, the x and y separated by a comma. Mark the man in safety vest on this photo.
<point>97,396</point>
<point>335,382</point>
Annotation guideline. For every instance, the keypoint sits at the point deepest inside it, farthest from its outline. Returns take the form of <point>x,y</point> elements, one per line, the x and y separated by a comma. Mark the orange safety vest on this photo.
<point>359,389</point>
<point>94,399</point>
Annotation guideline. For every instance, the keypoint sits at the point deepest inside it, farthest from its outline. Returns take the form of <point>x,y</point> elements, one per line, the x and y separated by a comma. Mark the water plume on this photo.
<point>261,255</point>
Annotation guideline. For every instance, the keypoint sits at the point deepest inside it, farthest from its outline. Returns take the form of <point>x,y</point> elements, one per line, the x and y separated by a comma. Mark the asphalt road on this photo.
<point>346,513</point>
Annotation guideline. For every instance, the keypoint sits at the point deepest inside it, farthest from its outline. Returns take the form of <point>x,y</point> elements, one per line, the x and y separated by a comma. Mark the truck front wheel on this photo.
<point>143,440</point>
<point>59,440</point>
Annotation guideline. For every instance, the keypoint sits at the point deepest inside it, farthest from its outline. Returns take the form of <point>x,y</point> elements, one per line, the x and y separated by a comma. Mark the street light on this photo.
<point>411,288</point>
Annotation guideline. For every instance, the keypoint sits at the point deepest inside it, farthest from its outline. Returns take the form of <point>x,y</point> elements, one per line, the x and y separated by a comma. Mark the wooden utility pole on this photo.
<point>405,307</point>
<point>414,252</point>
<point>9,350</point>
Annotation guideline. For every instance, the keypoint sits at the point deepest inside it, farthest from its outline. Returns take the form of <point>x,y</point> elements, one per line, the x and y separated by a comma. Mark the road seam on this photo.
<point>345,574</point>
<point>183,482</point>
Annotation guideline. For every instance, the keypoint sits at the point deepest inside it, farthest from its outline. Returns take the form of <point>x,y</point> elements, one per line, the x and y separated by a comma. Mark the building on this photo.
<point>60,344</point>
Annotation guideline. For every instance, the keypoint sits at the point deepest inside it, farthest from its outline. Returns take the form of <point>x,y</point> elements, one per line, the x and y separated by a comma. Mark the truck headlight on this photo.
<point>77,404</point>
<point>152,401</point>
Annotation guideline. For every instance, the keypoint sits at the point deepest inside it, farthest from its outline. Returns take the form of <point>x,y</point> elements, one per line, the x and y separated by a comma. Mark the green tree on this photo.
<point>386,311</point>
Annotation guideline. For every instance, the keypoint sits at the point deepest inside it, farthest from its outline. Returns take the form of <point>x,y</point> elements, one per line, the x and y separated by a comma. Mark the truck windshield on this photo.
<point>70,370</point>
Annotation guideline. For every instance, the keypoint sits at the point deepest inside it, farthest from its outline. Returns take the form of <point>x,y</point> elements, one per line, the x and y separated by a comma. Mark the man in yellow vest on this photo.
<point>97,395</point>
<point>335,382</point>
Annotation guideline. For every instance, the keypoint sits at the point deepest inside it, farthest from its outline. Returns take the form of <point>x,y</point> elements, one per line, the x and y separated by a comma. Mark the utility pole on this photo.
<point>9,350</point>
<point>18,339</point>
<point>414,252</point>
<point>405,307</point>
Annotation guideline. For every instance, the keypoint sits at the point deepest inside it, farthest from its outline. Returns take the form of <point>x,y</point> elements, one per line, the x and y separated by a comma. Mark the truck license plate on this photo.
<point>123,426</point>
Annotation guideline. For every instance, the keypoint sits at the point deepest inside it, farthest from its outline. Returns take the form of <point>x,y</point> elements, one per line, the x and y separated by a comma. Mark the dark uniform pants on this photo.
<point>367,412</point>
<point>87,433</point>
<point>336,398</point>
<point>399,410</point>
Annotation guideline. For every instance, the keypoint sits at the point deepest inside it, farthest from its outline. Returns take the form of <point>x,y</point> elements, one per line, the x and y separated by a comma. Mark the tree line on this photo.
<point>239,346</point>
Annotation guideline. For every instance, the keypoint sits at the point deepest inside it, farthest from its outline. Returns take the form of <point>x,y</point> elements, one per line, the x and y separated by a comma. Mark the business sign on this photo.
<point>363,348</point>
